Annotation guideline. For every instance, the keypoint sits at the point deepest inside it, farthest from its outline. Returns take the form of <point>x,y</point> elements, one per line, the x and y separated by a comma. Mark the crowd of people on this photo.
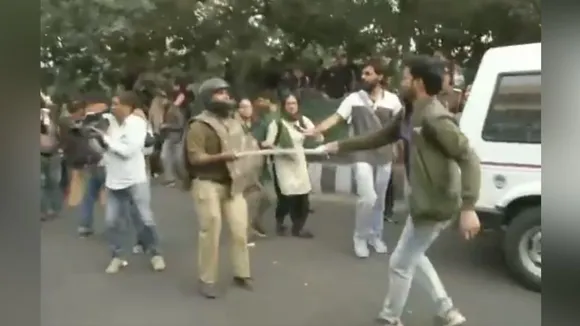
<point>119,145</point>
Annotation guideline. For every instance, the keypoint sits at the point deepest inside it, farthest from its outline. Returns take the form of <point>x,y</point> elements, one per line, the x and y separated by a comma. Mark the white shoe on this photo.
<point>115,265</point>
<point>158,263</point>
<point>379,245</point>
<point>361,249</point>
<point>451,318</point>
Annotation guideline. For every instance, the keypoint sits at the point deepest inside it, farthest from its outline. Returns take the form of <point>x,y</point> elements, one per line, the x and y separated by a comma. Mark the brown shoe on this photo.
<point>207,290</point>
<point>244,283</point>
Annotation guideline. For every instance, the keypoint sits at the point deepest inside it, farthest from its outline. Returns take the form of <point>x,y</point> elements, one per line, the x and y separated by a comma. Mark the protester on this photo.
<point>51,200</point>
<point>257,195</point>
<point>171,131</point>
<point>126,181</point>
<point>291,177</point>
<point>338,80</point>
<point>212,140</point>
<point>182,97</point>
<point>431,169</point>
<point>365,111</point>
<point>91,162</point>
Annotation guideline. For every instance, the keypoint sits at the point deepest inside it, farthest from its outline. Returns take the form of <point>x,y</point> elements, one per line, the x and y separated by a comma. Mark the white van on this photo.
<point>502,119</point>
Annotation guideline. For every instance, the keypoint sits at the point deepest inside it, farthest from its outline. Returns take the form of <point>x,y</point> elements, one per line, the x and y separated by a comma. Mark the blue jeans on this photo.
<point>51,199</point>
<point>93,186</point>
<point>409,262</point>
<point>371,190</point>
<point>132,204</point>
<point>169,156</point>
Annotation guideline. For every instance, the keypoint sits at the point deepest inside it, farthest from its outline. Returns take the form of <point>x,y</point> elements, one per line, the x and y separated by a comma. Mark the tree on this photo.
<point>91,44</point>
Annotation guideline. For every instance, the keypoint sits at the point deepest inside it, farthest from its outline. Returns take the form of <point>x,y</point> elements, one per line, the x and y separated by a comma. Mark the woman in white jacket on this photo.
<point>291,178</point>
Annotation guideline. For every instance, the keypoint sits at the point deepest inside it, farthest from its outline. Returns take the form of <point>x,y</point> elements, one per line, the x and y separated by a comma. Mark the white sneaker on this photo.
<point>384,322</point>
<point>361,249</point>
<point>115,265</point>
<point>379,245</point>
<point>451,318</point>
<point>158,263</point>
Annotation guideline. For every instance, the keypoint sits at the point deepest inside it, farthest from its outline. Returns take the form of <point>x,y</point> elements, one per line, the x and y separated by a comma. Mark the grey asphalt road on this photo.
<point>298,282</point>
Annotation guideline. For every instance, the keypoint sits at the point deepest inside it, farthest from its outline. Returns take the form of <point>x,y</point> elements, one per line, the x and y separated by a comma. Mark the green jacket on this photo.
<point>444,171</point>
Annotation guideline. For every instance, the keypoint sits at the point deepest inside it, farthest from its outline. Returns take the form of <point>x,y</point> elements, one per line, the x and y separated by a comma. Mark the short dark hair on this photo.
<point>129,98</point>
<point>429,69</point>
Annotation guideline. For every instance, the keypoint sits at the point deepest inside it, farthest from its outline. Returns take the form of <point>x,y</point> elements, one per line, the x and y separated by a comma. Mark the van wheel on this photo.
<point>523,247</point>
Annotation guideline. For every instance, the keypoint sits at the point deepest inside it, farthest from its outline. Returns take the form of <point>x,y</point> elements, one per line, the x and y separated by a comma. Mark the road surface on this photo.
<point>298,282</point>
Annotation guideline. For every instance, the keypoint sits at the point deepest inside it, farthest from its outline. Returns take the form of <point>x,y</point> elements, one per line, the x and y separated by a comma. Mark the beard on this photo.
<point>221,108</point>
<point>368,86</point>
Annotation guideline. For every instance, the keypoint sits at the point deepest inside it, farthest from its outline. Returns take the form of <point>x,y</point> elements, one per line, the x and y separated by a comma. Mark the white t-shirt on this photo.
<point>124,160</point>
<point>388,100</point>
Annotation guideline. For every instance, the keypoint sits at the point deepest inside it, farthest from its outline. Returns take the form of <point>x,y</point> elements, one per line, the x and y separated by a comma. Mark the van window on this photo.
<point>515,112</point>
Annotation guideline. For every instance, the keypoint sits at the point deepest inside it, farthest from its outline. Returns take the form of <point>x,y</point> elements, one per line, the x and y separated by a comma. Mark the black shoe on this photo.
<point>281,230</point>
<point>207,290</point>
<point>304,234</point>
<point>244,283</point>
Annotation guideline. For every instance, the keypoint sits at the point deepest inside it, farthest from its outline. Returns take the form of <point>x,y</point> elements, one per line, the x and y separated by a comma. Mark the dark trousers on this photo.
<point>298,206</point>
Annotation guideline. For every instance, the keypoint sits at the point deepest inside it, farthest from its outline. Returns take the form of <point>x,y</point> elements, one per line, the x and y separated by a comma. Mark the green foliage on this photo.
<point>91,43</point>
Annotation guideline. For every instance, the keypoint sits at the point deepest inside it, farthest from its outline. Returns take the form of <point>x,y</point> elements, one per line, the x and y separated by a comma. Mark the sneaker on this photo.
<point>207,290</point>
<point>451,318</point>
<point>303,234</point>
<point>384,322</point>
<point>379,245</point>
<point>258,230</point>
<point>158,263</point>
<point>115,265</point>
<point>84,232</point>
<point>361,249</point>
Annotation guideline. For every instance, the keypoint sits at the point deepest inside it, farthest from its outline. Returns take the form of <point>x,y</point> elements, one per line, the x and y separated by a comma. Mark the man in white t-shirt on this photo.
<point>366,111</point>
<point>127,182</point>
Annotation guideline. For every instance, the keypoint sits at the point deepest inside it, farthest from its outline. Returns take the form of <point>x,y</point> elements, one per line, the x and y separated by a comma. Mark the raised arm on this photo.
<point>388,134</point>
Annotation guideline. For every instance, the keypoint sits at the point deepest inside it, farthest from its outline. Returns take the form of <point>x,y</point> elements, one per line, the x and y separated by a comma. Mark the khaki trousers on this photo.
<point>213,201</point>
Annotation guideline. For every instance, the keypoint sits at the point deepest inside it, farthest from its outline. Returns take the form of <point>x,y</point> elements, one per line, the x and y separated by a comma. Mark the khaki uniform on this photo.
<point>218,190</point>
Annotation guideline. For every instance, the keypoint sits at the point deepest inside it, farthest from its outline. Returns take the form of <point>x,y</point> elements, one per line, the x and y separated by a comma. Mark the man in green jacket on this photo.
<point>444,179</point>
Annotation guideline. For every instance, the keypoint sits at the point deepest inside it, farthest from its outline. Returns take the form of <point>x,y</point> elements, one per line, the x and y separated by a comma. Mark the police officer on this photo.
<point>212,142</point>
